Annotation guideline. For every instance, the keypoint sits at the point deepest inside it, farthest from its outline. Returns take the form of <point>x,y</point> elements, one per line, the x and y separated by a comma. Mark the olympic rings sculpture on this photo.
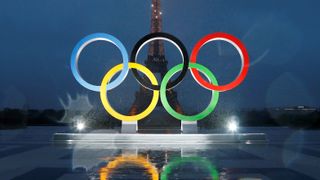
<point>160,90</point>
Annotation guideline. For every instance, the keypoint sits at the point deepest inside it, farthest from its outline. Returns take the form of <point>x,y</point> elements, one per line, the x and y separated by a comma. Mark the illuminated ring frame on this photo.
<point>199,116</point>
<point>106,104</point>
<point>203,162</point>
<point>86,41</point>
<point>240,48</point>
<point>160,36</point>
<point>107,170</point>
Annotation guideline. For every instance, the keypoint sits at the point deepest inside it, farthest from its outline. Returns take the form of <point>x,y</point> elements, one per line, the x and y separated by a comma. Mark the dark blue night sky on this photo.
<point>37,38</point>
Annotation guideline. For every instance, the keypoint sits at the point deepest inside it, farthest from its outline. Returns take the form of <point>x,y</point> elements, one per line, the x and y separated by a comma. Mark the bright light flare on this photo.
<point>80,126</point>
<point>232,124</point>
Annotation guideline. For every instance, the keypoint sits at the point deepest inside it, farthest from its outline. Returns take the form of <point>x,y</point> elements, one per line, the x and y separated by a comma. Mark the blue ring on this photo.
<point>99,37</point>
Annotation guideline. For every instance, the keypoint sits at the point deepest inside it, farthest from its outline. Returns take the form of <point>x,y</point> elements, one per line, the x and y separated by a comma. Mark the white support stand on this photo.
<point>129,127</point>
<point>189,127</point>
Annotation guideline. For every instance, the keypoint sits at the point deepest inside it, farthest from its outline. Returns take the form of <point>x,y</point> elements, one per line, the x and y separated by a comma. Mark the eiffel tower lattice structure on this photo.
<point>159,119</point>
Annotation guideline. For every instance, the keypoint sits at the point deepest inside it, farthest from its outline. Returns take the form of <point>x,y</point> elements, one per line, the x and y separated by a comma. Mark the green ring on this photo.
<point>171,111</point>
<point>201,161</point>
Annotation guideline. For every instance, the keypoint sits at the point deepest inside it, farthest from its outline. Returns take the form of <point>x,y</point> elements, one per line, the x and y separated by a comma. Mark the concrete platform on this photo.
<point>158,139</point>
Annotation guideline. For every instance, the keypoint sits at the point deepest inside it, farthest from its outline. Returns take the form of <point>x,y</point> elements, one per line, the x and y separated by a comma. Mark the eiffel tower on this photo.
<point>159,119</point>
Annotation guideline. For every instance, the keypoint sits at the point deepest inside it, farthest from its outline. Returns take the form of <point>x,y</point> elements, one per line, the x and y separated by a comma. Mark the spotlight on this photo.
<point>80,126</point>
<point>232,124</point>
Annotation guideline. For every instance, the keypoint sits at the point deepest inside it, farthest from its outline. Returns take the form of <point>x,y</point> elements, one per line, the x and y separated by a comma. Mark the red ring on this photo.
<point>245,61</point>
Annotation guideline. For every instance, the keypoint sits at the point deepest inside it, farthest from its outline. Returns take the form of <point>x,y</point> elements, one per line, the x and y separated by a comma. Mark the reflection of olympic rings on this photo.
<point>138,160</point>
<point>160,36</point>
<point>165,84</point>
<point>201,161</point>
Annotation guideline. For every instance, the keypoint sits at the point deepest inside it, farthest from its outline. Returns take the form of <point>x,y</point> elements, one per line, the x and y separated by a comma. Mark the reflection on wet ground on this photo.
<point>290,154</point>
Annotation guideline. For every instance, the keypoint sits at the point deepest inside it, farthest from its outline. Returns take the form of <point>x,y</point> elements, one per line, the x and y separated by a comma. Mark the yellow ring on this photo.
<point>139,160</point>
<point>104,98</point>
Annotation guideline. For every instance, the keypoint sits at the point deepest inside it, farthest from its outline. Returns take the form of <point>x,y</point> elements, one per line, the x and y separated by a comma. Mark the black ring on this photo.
<point>185,57</point>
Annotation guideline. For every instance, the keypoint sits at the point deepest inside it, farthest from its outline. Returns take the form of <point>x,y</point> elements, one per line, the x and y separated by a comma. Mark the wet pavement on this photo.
<point>289,154</point>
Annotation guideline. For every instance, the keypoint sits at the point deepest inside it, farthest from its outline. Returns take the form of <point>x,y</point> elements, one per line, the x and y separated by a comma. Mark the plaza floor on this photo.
<point>289,154</point>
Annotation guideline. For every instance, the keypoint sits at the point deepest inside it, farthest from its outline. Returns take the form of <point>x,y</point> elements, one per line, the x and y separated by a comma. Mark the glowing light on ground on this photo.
<point>232,124</point>
<point>80,126</point>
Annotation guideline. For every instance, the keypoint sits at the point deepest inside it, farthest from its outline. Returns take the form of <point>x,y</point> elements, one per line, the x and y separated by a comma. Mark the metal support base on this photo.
<point>129,127</point>
<point>189,127</point>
